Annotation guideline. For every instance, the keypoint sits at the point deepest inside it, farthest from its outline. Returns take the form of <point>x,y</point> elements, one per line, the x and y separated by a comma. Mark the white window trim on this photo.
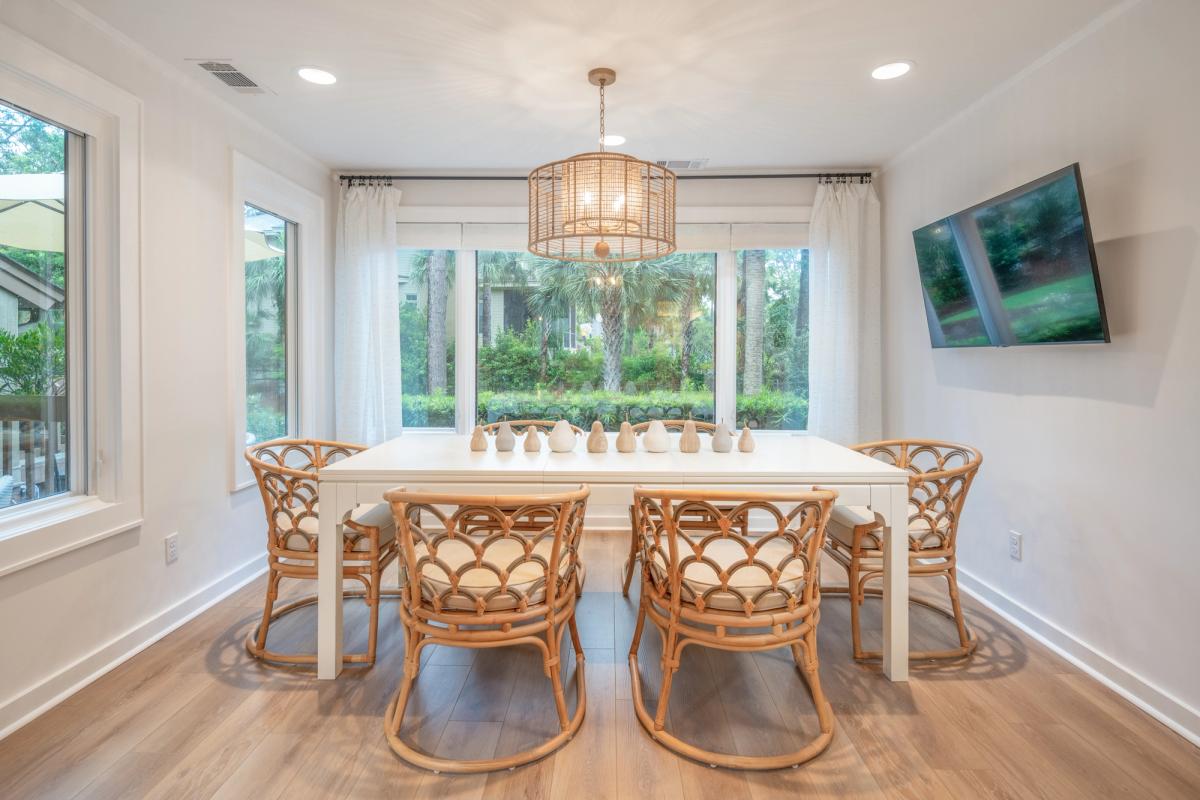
<point>37,79</point>
<point>262,187</point>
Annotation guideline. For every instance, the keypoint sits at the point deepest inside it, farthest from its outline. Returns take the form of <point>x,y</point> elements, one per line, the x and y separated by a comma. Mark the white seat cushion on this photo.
<point>748,583</point>
<point>298,529</point>
<point>845,519</point>
<point>479,587</point>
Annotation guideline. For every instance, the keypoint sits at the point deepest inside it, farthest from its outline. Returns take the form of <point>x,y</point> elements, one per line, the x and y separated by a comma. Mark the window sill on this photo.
<point>49,529</point>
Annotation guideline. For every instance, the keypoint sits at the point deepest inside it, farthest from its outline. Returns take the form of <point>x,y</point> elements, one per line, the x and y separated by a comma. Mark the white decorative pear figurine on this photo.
<point>689,440</point>
<point>746,442</point>
<point>562,438</point>
<point>655,440</point>
<point>533,442</point>
<point>722,441</point>
<point>626,441</point>
<point>597,442</point>
<point>505,440</point>
<point>478,439</point>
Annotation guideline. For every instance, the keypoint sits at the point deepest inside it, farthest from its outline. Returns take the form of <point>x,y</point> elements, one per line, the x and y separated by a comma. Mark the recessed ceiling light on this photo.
<point>613,140</point>
<point>314,75</point>
<point>887,72</point>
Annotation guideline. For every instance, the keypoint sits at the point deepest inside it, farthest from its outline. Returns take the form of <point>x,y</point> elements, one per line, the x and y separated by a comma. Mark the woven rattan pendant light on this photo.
<point>601,206</point>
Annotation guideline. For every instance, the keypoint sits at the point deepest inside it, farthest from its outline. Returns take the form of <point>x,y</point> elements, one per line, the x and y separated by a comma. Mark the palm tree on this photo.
<point>623,295</point>
<point>754,266</point>
<point>547,301</point>
<point>697,284</point>
<point>431,271</point>
<point>493,268</point>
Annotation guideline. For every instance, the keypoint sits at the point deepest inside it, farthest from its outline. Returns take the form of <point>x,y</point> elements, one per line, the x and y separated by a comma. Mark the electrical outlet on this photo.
<point>1015,545</point>
<point>172,547</point>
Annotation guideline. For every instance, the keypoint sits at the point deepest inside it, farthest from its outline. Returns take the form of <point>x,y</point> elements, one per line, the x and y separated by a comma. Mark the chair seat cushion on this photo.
<point>844,519</point>
<point>749,583</point>
<point>503,580</point>
<point>298,528</point>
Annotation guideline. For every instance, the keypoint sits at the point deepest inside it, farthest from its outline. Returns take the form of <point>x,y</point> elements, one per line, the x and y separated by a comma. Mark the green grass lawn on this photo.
<point>1040,314</point>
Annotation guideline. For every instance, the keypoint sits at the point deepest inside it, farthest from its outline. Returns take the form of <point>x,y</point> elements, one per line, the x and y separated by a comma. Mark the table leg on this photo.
<point>895,586</point>
<point>335,502</point>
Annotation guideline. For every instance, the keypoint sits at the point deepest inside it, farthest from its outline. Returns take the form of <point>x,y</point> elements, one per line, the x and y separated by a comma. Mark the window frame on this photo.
<point>309,397</point>
<point>291,305</point>
<point>723,230</point>
<point>106,495</point>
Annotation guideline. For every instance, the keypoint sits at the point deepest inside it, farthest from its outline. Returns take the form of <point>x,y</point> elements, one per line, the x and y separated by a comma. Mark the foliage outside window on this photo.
<point>594,341</point>
<point>267,385</point>
<point>33,308</point>
<point>427,337</point>
<point>772,324</point>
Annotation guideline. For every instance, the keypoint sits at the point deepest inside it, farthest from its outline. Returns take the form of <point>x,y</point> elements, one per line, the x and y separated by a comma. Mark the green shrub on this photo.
<point>772,410</point>
<point>428,411</point>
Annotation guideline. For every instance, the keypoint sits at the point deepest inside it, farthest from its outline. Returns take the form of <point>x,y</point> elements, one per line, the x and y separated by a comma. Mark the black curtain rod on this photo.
<point>681,177</point>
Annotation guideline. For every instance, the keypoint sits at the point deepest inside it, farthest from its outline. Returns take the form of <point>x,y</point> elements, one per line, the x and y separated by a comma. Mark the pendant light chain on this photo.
<point>602,116</point>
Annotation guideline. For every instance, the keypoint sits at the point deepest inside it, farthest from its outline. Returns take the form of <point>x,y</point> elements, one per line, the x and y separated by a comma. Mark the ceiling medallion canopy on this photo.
<point>601,206</point>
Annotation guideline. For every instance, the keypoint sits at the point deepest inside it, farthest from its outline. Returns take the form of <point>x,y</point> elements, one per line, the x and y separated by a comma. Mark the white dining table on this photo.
<point>445,462</point>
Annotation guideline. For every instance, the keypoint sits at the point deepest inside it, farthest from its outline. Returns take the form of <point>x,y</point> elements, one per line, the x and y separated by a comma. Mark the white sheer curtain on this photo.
<point>367,395</point>
<point>845,358</point>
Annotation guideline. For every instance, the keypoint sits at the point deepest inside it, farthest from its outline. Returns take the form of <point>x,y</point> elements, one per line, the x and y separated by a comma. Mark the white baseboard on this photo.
<point>1174,713</point>
<point>23,708</point>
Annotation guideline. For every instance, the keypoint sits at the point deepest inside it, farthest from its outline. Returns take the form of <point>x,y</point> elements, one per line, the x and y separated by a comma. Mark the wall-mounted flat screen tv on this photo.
<point>1018,269</point>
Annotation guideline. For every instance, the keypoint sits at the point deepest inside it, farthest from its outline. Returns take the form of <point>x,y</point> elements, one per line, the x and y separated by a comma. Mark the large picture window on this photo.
<point>427,320</point>
<point>594,341</point>
<point>270,296</point>
<point>772,353</point>
<point>40,191</point>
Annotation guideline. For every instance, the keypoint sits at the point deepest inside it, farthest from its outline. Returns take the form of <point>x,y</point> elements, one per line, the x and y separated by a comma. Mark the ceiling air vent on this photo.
<point>683,163</point>
<point>231,76</point>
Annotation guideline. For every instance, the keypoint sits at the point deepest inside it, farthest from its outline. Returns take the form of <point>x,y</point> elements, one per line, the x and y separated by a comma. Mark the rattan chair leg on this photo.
<point>373,623</point>
<point>631,561</point>
<point>964,636</point>
<point>713,759</point>
<point>969,642</point>
<point>260,641</point>
<point>552,669</point>
<point>394,720</point>
<point>257,639</point>
<point>856,600</point>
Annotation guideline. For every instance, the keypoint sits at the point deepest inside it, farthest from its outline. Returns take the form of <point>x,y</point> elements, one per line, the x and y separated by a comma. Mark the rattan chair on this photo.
<point>544,426</point>
<point>286,470</point>
<point>490,572</point>
<point>942,473</point>
<point>634,552</point>
<point>675,425</point>
<point>729,591</point>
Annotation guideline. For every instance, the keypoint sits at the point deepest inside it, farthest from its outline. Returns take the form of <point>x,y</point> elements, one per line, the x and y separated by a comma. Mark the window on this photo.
<point>594,341</point>
<point>772,329</point>
<point>427,317</point>
<point>270,297</point>
<point>40,261</point>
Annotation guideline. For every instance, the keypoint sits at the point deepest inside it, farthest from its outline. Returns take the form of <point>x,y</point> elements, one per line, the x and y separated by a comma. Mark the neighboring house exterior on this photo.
<point>24,296</point>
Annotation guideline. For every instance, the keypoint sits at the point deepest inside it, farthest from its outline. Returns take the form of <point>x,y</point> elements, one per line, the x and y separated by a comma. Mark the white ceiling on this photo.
<point>500,84</point>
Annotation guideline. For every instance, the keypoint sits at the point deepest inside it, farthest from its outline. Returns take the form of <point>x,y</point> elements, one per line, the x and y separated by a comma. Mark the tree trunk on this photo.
<point>485,315</point>
<point>752,345</point>
<point>686,308</point>
<point>544,351</point>
<point>612,325</point>
<point>800,331</point>
<point>436,332</point>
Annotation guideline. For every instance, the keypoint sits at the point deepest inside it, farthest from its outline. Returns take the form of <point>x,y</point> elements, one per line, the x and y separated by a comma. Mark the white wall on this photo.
<point>63,618</point>
<point>1090,451</point>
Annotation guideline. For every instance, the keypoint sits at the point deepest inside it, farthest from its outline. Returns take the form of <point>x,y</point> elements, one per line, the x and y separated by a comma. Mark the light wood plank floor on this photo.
<point>194,716</point>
